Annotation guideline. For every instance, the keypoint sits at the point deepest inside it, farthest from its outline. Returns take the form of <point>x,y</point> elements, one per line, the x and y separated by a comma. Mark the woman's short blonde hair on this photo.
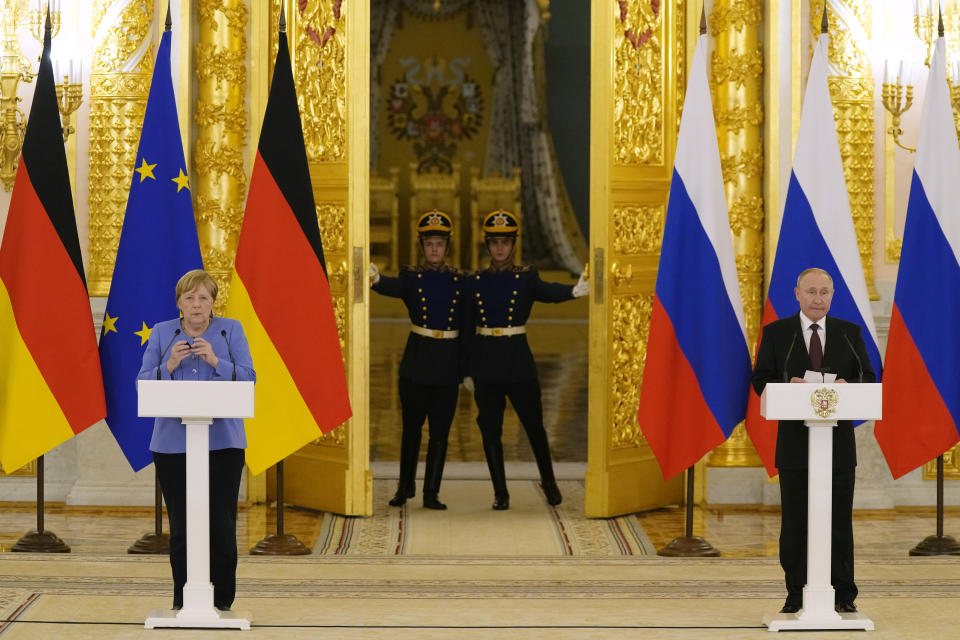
<point>193,279</point>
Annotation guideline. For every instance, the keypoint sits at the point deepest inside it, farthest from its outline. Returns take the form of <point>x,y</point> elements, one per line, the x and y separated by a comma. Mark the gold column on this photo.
<point>851,22</point>
<point>219,178</point>
<point>119,83</point>
<point>737,74</point>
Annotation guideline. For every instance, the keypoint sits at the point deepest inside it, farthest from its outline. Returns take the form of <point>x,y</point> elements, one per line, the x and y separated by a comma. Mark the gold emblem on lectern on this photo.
<point>824,401</point>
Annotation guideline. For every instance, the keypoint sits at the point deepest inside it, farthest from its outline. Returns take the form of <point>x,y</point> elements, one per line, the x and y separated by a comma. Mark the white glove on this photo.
<point>468,384</point>
<point>374,274</point>
<point>582,288</point>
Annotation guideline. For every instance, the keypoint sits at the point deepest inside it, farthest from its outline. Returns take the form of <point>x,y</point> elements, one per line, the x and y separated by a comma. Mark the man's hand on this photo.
<point>795,379</point>
<point>468,384</point>
<point>840,381</point>
<point>374,274</point>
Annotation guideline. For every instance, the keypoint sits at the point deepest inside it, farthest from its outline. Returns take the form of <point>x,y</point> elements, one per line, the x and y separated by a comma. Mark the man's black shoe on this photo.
<point>501,503</point>
<point>431,502</point>
<point>789,607</point>
<point>400,497</point>
<point>845,607</point>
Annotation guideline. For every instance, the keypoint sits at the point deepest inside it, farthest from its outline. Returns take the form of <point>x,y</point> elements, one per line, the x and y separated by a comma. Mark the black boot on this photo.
<point>409,452</point>
<point>494,453</point>
<point>541,452</point>
<point>436,456</point>
<point>552,491</point>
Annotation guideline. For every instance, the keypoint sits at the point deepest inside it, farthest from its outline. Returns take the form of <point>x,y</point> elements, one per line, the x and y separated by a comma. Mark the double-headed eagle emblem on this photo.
<point>824,401</point>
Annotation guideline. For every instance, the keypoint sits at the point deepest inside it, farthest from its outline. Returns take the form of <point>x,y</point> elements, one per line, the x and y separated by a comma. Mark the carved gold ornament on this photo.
<point>638,84</point>
<point>824,401</point>
<point>119,83</point>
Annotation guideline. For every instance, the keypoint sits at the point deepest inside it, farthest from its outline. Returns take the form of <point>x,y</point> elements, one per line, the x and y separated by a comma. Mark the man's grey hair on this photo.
<point>807,272</point>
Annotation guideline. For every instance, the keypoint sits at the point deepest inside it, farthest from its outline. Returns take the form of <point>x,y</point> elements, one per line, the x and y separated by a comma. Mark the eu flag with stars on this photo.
<point>158,244</point>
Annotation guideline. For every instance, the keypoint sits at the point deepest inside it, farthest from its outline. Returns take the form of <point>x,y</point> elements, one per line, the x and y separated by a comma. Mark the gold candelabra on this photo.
<point>897,98</point>
<point>37,17</point>
<point>69,99</point>
<point>925,25</point>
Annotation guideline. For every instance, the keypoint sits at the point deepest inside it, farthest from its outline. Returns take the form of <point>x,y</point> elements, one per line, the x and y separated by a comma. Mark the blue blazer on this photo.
<point>169,434</point>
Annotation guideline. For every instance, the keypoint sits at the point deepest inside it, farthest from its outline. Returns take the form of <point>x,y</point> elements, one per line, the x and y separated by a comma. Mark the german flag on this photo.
<point>280,292</point>
<point>50,384</point>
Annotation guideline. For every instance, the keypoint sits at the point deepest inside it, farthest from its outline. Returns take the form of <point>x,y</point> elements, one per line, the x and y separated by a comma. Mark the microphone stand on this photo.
<point>938,545</point>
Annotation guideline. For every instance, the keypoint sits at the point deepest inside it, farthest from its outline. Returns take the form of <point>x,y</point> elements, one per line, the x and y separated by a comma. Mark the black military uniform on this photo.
<point>431,369</point>
<point>500,361</point>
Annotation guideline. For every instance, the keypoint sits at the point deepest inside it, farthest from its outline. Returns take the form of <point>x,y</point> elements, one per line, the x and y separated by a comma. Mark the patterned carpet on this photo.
<point>470,527</point>
<point>483,597</point>
<point>530,572</point>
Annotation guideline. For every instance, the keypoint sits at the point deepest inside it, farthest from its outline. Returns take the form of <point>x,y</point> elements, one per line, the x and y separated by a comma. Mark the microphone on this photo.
<point>169,344</point>
<point>786,360</point>
<point>854,352</point>
<point>223,332</point>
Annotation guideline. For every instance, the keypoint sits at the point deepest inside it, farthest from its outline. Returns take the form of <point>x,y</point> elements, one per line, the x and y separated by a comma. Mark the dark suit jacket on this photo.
<point>838,358</point>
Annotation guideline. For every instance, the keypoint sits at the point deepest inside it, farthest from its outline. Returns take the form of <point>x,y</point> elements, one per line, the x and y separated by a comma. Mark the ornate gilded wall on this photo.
<point>119,83</point>
<point>737,75</point>
<point>851,88</point>
<point>219,177</point>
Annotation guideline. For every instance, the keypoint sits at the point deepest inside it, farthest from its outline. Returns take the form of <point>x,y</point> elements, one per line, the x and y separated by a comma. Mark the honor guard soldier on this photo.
<point>501,364</point>
<point>430,371</point>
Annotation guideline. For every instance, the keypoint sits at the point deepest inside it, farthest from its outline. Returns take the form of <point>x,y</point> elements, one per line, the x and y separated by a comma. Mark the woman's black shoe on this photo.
<point>431,502</point>
<point>501,503</point>
<point>552,492</point>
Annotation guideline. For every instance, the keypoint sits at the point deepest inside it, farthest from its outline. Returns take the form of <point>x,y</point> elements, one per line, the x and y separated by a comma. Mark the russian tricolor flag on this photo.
<point>697,370</point>
<point>816,231</point>
<point>921,391</point>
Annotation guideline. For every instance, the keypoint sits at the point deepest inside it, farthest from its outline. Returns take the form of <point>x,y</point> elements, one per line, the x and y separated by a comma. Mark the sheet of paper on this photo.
<point>819,378</point>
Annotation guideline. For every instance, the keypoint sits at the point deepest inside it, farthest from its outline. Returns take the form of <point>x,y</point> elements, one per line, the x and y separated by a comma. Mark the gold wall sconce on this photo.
<point>897,98</point>
<point>69,93</point>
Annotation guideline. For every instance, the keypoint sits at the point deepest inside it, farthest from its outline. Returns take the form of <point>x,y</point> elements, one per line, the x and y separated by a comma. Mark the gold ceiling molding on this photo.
<point>119,84</point>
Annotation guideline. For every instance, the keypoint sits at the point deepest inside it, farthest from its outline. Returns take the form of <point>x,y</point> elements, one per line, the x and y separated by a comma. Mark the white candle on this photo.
<point>71,69</point>
<point>900,73</point>
<point>80,74</point>
<point>916,7</point>
<point>886,73</point>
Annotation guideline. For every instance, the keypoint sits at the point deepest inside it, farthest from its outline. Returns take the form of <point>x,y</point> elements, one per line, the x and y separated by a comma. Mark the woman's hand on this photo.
<point>203,349</point>
<point>178,352</point>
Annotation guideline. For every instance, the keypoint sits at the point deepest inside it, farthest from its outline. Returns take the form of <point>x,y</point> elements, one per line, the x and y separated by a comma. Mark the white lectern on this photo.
<point>196,404</point>
<point>819,406</point>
